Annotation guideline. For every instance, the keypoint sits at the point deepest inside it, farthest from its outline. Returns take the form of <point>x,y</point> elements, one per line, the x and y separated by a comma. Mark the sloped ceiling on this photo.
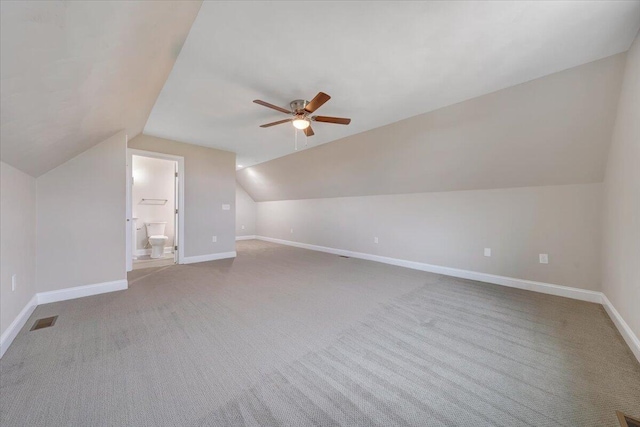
<point>380,61</point>
<point>550,131</point>
<point>74,73</point>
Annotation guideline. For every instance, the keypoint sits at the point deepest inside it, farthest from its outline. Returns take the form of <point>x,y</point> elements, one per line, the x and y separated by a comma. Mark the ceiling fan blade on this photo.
<point>336,120</point>
<point>279,122</point>
<point>274,107</point>
<point>308,131</point>
<point>317,102</point>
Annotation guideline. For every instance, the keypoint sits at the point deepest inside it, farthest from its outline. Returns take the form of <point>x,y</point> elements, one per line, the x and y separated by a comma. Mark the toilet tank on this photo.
<point>155,228</point>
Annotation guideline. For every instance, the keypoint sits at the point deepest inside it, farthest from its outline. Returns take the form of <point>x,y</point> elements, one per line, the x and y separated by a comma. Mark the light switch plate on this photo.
<point>544,258</point>
<point>487,251</point>
<point>375,240</point>
<point>226,207</point>
<point>214,239</point>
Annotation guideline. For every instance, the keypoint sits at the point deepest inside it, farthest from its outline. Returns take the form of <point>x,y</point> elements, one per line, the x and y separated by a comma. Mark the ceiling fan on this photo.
<point>301,111</point>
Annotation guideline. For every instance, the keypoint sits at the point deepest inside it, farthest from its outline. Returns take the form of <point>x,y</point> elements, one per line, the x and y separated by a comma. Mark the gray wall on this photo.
<point>81,219</point>
<point>621,236</point>
<point>209,183</point>
<point>245,213</point>
<point>550,131</point>
<point>17,242</point>
<point>452,228</point>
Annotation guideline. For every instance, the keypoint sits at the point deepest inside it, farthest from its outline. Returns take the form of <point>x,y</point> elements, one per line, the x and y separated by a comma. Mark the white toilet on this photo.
<point>157,239</point>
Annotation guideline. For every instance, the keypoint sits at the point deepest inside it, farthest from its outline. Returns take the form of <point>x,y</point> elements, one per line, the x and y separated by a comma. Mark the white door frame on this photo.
<point>181,172</point>
<point>128,256</point>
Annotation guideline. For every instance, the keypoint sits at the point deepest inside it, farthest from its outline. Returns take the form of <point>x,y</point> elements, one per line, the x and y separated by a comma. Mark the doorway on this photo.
<point>155,203</point>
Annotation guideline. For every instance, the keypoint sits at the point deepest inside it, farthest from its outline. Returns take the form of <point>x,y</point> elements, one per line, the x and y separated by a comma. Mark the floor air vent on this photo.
<point>344,256</point>
<point>44,323</point>
<point>627,421</point>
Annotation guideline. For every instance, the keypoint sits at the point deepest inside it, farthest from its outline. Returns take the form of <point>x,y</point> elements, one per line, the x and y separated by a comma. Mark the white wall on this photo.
<point>452,228</point>
<point>621,236</point>
<point>17,242</point>
<point>245,213</point>
<point>153,179</point>
<point>81,219</point>
<point>209,183</point>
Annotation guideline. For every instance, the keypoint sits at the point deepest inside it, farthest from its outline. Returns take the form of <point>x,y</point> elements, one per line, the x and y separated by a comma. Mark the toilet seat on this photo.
<point>158,236</point>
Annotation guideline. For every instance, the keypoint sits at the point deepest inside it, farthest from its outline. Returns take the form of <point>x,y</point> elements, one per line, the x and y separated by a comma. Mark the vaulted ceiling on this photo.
<point>380,61</point>
<point>550,131</point>
<point>73,73</point>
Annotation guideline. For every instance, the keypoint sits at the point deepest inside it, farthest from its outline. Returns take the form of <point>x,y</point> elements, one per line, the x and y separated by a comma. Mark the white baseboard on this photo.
<point>141,252</point>
<point>630,338</point>
<point>99,288</point>
<point>251,237</point>
<point>81,291</point>
<point>545,288</point>
<point>54,296</point>
<point>12,331</point>
<point>209,257</point>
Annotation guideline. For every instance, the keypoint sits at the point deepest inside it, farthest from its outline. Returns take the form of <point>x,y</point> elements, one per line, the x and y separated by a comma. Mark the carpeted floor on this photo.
<point>286,336</point>
<point>145,261</point>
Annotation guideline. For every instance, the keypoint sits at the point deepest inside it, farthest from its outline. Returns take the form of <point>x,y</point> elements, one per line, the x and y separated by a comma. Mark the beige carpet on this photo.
<point>145,261</point>
<point>286,336</point>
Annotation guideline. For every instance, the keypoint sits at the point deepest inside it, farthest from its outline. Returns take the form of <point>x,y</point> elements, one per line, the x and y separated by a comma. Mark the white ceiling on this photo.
<point>554,130</point>
<point>75,73</point>
<point>380,61</point>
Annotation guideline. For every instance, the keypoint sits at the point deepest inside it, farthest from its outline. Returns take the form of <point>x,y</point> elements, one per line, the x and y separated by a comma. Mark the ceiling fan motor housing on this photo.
<point>297,106</point>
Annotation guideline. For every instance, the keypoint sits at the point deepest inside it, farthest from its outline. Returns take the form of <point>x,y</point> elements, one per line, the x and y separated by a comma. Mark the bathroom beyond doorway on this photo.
<point>154,207</point>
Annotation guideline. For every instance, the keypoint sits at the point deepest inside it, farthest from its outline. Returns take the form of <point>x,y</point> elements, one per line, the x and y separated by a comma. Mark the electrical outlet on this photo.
<point>243,227</point>
<point>544,258</point>
<point>226,207</point>
<point>14,281</point>
<point>292,231</point>
<point>487,251</point>
<point>375,240</point>
<point>214,239</point>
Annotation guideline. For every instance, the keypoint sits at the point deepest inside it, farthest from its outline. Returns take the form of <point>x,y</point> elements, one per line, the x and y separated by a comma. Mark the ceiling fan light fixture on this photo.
<point>301,124</point>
